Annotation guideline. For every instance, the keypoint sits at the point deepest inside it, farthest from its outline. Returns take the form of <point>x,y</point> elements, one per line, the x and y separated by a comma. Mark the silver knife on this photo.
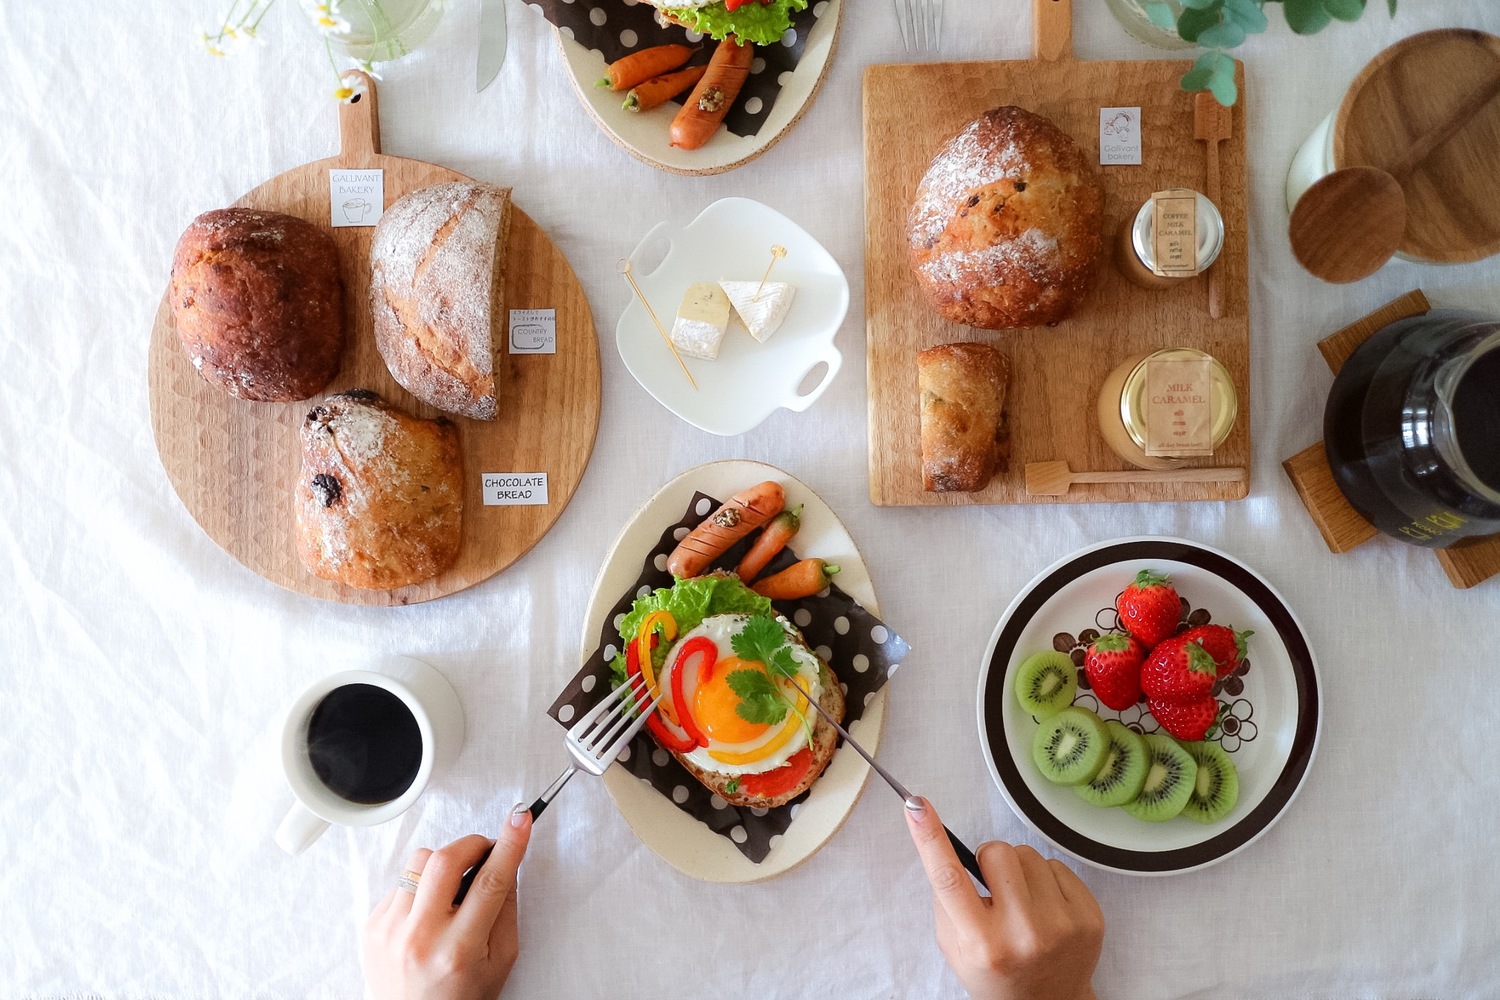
<point>491,43</point>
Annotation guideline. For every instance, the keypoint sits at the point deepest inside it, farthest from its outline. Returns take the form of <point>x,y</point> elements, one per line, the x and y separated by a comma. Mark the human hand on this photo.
<point>1037,938</point>
<point>419,946</point>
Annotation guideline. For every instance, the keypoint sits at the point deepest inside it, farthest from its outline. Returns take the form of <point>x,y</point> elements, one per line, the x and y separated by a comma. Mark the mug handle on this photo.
<point>299,829</point>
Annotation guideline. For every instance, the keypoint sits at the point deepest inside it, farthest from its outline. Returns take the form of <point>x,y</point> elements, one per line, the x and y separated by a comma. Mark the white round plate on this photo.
<point>1277,716</point>
<point>644,135</point>
<point>682,841</point>
<point>732,239</point>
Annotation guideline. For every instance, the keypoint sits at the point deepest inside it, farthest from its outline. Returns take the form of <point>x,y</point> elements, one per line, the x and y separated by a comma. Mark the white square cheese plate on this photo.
<point>731,240</point>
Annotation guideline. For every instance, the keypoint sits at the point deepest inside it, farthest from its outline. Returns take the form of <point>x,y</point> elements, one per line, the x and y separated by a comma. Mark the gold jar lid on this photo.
<point>1224,401</point>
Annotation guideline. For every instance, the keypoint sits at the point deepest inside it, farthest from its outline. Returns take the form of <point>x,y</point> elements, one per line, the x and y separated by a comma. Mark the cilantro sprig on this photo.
<point>761,698</point>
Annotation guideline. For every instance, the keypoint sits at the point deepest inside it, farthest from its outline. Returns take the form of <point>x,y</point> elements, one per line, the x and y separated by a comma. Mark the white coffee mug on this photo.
<point>440,722</point>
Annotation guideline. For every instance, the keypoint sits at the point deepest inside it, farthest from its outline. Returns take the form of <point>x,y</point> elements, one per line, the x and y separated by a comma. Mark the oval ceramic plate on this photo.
<point>682,841</point>
<point>644,135</point>
<point>1275,707</point>
<point>732,239</point>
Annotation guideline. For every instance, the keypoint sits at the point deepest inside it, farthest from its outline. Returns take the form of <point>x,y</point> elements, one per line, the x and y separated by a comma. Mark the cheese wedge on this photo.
<point>701,321</point>
<point>764,314</point>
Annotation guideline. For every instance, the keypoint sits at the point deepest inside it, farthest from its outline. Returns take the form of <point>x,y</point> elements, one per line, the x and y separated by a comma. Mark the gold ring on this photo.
<point>408,881</point>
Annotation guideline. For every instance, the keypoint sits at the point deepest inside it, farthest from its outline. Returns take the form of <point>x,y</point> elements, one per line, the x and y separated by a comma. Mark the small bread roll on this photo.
<point>962,396</point>
<point>380,497</point>
<point>258,303</point>
<point>437,291</point>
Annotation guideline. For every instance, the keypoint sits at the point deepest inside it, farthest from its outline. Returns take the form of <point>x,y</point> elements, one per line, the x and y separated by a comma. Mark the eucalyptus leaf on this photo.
<point>1197,79</point>
<point>1202,4</point>
<point>1345,10</point>
<point>1225,35</point>
<point>1392,5</point>
<point>1222,86</point>
<point>1192,23</point>
<point>1247,14</point>
<point>1161,15</point>
<point>1305,17</point>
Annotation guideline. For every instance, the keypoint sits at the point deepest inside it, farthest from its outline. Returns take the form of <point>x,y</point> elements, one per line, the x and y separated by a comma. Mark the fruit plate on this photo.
<point>644,135</point>
<point>732,239</point>
<point>1271,728</point>
<point>682,841</point>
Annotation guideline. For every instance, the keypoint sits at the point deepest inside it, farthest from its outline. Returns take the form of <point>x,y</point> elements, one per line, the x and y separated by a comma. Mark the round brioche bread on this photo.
<point>824,742</point>
<point>258,303</point>
<point>1007,225</point>
<point>437,289</point>
<point>380,497</point>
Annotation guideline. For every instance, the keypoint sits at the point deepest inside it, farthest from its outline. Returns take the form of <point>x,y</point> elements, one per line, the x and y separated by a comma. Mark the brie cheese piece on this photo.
<point>762,315</point>
<point>701,321</point>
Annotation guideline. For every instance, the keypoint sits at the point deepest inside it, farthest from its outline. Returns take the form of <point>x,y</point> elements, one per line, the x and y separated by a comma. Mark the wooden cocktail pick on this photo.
<point>1053,479</point>
<point>1212,124</point>
<point>777,252</point>
<point>624,268</point>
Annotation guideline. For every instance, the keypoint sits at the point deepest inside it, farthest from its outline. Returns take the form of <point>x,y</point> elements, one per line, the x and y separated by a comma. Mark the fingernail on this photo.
<point>916,806</point>
<point>520,814</point>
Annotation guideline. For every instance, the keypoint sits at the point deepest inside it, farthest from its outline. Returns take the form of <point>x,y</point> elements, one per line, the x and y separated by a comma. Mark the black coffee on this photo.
<point>364,744</point>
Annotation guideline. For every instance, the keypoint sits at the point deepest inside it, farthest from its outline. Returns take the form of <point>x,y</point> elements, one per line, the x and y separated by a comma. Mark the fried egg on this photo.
<point>735,745</point>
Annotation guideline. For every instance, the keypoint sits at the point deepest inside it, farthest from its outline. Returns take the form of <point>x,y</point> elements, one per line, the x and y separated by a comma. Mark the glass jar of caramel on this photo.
<point>1126,402</point>
<point>1412,428</point>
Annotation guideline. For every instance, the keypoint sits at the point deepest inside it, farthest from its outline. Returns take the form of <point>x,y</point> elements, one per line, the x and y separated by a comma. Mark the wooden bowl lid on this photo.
<point>1427,111</point>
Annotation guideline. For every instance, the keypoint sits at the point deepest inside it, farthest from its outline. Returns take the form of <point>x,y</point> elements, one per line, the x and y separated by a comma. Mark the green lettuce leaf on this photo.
<point>763,24</point>
<point>689,602</point>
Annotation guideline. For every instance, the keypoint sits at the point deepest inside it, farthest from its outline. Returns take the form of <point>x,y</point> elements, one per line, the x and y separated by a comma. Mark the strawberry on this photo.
<point>1178,671</point>
<point>1113,665</point>
<point>1149,608</point>
<point>1189,721</point>
<point>1223,643</point>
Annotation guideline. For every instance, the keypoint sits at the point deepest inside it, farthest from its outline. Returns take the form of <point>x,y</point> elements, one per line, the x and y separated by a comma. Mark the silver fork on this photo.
<point>921,23</point>
<point>595,741</point>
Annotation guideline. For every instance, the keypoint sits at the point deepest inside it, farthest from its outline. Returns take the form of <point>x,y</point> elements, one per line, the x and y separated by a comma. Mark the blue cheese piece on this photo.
<point>761,314</point>
<point>701,321</point>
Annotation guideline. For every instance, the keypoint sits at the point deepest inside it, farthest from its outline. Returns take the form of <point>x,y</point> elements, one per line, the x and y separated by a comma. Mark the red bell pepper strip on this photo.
<point>664,735</point>
<point>698,644</point>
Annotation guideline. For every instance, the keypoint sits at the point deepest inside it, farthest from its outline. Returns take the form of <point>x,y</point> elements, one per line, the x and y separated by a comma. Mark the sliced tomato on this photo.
<point>659,729</point>
<point>780,781</point>
<point>700,644</point>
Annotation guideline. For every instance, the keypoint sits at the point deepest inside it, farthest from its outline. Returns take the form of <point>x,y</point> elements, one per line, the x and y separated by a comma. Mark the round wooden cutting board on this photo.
<point>1427,111</point>
<point>234,462</point>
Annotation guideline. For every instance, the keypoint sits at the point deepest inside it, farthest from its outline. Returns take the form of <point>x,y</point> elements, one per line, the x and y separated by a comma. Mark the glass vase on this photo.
<point>381,30</point>
<point>1133,18</point>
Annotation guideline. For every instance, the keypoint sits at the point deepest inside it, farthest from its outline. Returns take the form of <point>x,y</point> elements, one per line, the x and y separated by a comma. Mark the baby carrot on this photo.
<point>802,579</point>
<point>638,67</point>
<point>661,89</point>
<point>773,539</point>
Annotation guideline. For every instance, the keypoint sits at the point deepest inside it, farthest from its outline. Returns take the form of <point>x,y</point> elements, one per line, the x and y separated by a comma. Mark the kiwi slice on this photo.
<point>1217,785</point>
<point>1045,683</point>
<point>1123,772</point>
<point>1169,781</point>
<point>1069,747</point>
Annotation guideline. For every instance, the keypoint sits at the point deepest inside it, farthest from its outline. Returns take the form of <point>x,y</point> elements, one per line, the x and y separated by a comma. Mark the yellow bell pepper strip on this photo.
<point>667,738</point>
<point>793,720</point>
<point>643,653</point>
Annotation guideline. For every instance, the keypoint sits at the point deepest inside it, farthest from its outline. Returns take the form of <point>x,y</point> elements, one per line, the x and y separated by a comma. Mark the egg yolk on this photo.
<point>715,702</point>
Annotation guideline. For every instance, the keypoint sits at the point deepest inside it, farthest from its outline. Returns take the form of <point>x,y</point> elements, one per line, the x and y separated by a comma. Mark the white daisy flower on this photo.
<point>350,87</point>
<point>368,68</point>
<point>326,17</point>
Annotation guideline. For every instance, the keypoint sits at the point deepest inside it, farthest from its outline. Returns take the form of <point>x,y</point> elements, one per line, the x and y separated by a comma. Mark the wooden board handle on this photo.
<point>1052,29</point>
<point>359,125</point>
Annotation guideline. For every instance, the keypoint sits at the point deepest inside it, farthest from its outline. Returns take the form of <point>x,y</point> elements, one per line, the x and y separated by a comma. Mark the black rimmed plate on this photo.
<point>1271,729</point>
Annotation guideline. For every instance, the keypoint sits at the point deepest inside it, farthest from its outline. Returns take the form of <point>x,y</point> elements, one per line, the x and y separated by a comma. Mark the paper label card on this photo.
<point>533,331</point>
<point>514,489</point>
<point>1179,407</point>
<point>355,197</point>
<point>1174,235</point>
<point>1119,136</point>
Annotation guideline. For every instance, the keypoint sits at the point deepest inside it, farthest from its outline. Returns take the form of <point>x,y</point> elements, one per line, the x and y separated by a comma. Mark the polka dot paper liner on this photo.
<point>616,28</point>
<point>861,649</point>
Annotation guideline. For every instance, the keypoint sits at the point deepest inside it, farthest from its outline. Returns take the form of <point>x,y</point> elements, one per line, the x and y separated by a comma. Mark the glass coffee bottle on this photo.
<point>1412,428</point>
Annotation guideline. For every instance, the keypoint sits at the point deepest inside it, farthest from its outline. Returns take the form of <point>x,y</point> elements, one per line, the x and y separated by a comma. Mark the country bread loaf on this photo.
<point>258,303</point>
<point>379,500</point>
<point>437,292</point>
<point>962,390</point>
<point>1007,225</point>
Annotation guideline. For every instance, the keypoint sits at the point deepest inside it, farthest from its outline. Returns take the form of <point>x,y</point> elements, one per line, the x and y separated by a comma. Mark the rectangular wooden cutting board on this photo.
<point>910,110</point>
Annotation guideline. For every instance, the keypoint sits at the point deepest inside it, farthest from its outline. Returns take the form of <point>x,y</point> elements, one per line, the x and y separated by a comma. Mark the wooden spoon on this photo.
<point>1212,124</point>
<point>1347,225</point>
<point>1052,479</point>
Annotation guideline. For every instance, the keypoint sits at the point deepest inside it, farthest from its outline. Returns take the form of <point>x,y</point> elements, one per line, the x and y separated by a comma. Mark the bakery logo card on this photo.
<point>514,489</point>
<point>1119,136</point>
<point>533,331</point>
<point>355,197</point>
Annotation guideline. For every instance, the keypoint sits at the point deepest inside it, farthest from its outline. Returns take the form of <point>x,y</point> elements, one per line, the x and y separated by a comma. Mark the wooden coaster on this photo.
<point>1471,561</point>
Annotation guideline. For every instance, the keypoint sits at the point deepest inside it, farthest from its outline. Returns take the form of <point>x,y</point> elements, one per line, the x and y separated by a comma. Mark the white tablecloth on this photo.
<point>145,671</point>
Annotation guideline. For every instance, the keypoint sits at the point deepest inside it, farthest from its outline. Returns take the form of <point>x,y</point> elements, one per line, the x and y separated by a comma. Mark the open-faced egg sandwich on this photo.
<point>736,678</point>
